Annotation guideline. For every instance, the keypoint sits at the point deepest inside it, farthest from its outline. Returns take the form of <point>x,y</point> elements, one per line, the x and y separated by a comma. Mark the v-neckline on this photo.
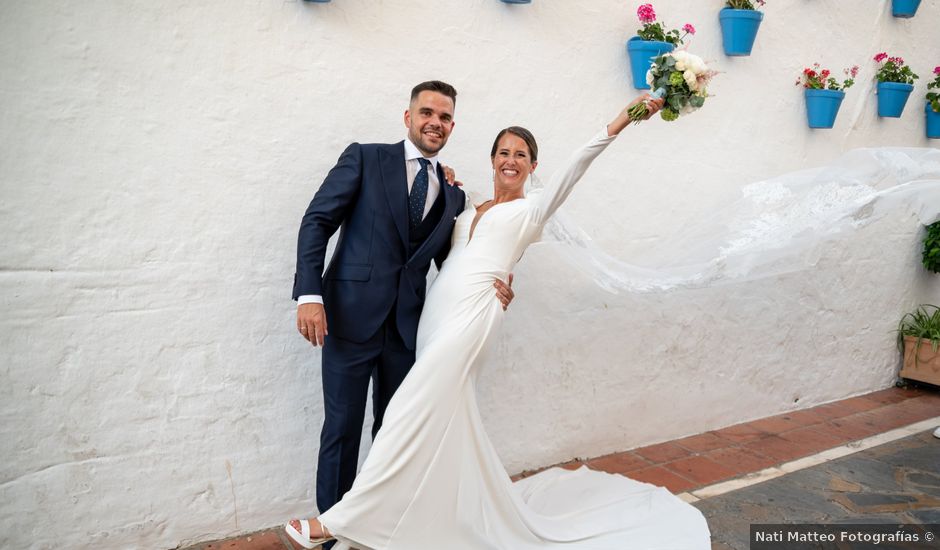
<point>476,220</point>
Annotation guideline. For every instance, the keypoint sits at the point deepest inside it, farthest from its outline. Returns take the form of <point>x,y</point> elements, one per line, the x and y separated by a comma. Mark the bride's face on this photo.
<point>512,163</point>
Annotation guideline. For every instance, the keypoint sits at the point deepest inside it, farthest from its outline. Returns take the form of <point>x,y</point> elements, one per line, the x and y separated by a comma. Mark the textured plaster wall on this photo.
<point>156,157</point>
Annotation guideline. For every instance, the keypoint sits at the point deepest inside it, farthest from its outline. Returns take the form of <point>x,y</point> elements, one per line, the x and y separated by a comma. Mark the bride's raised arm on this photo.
<point>562,181</point>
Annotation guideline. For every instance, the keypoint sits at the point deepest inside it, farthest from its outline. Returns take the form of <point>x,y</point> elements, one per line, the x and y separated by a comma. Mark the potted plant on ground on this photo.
<point>651,41</point>
<point>904,8</point>
<point>739,21</point>
<point>933,106</point>
<point>824,94</point>
<point>895,84</point>
<point>919,341</point>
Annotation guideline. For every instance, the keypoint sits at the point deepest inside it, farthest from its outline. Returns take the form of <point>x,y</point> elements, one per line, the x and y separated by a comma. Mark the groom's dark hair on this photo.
<point>435,86</point>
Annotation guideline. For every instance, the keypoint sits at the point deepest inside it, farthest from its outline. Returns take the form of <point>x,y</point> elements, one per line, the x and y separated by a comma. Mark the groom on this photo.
<point>395,212</point>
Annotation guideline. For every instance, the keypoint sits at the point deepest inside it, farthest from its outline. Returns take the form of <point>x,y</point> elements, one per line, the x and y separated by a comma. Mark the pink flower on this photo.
<point>881,57</point>
<point>761,2</point>
<point>689,28</point>
<point>936,70</point>
<point>853,71</point>
<point>896,60</point>
<point>646,13</point>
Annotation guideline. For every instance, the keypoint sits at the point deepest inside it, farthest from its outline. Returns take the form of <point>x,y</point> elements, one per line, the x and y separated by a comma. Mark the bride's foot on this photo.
<point>308,533</point>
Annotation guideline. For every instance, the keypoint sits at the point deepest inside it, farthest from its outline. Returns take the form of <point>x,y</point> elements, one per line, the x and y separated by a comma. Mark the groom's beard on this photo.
<point>426,144</point>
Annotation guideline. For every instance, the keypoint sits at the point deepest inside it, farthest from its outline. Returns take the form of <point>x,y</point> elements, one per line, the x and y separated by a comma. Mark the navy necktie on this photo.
<point>419,195</point>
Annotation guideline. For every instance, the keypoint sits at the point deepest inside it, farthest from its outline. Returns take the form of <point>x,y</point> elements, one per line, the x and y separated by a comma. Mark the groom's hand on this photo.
<point>311,322</point>
<point>504,292</point>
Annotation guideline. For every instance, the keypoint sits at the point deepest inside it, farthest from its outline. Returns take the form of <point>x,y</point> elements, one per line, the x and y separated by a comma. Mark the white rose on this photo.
<point>696,64</point>
<point>691,80</point>
<point>682,59</point>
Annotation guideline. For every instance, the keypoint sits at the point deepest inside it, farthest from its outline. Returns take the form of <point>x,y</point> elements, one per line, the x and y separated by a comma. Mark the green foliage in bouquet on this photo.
<point>668,77</point>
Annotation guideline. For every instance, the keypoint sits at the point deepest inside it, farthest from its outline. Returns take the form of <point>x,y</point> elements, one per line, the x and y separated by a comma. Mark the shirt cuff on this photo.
<point>309,299</point>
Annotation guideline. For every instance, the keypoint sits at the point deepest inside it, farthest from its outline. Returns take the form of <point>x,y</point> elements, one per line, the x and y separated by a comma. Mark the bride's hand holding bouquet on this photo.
<point>641,108</point>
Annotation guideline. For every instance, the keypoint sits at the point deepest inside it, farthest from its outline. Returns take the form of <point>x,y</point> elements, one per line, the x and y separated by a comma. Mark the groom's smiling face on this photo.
<point>430,119</point>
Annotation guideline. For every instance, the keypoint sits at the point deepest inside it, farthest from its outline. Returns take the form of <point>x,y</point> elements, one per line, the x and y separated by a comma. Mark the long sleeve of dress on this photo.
<point>562,182</point>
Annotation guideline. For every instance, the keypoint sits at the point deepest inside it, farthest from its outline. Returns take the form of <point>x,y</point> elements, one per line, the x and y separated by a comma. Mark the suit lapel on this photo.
<point>450,200</point>
<point>394,178</point>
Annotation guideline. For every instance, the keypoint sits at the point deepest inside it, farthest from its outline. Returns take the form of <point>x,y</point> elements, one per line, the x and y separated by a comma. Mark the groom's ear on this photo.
<point>407,118</point>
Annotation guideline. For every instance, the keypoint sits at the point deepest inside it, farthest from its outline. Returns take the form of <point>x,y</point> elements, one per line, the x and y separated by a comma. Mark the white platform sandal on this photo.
<point>302,537</point>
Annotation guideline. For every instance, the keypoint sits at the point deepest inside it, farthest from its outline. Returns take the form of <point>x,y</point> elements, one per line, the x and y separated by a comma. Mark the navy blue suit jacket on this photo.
<point>366,196</point>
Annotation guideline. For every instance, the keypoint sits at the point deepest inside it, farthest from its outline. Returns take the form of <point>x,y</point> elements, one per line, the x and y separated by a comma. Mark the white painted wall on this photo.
<point>156,158</point>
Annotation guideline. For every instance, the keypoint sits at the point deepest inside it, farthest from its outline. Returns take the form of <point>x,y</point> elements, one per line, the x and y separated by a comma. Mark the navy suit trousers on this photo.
<point>347,369</point>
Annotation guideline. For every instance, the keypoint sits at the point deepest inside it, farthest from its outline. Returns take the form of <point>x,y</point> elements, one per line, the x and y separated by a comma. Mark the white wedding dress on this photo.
<point>432,479</point>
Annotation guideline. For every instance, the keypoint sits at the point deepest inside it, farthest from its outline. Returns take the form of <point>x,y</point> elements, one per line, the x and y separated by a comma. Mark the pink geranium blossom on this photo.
<point>818,78</point>
<point>933,91</point>
<point>893,69</point>
<point>654,30</point>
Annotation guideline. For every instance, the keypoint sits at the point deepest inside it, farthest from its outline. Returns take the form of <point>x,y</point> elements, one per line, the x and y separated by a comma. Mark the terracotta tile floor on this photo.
<point>699,460</point>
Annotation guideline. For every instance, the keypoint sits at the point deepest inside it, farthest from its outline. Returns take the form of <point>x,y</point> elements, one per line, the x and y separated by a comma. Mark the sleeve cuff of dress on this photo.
<point>603,137</point>
<point>309,299</point>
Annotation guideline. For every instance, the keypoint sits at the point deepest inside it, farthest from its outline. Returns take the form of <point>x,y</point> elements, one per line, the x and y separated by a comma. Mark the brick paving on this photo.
<point>700,460</point>
<point>893,484</point>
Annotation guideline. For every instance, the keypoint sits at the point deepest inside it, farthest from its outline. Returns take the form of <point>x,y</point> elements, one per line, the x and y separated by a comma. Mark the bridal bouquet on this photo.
<point>681,79</point>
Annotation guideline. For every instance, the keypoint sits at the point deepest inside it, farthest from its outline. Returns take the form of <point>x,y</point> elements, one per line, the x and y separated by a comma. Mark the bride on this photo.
<point>432,479</point>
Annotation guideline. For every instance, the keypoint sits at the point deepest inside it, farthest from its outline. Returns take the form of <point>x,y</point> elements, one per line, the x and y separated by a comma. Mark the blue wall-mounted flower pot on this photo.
<point>892,96</point>
<point>641,53</point>
<point>933,122</point>
<point>822,106</point>
<point>904,8</point>
<point>739,29</point>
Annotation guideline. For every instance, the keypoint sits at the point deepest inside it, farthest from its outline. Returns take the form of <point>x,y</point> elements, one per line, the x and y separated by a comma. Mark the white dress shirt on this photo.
<point>412,166</point>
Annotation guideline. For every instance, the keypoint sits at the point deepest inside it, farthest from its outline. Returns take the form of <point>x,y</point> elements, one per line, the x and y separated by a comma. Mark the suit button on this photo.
<point>405,267</point>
